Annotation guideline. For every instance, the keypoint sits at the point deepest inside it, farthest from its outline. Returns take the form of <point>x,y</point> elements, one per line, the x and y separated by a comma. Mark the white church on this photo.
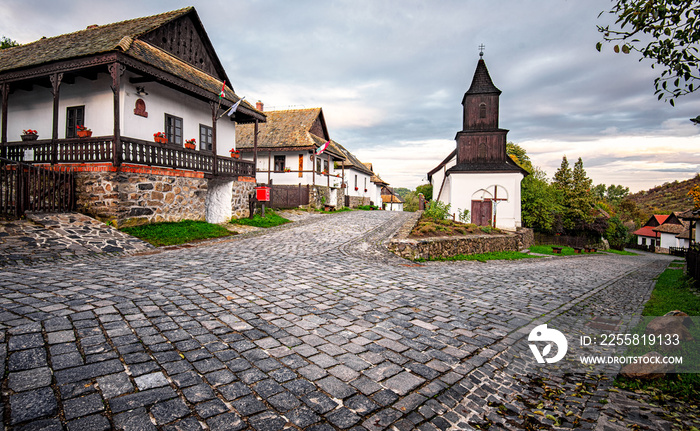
<point>478,175</point>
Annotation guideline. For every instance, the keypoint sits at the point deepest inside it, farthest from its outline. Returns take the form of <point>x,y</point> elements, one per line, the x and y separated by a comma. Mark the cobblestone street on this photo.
<point>311,325</point>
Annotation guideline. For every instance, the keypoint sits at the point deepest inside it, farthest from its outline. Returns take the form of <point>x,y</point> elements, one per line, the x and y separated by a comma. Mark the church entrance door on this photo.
<point>481,212</point>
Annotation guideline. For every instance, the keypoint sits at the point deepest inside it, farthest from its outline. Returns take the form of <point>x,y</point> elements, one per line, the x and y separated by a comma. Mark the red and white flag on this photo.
<point>322,148</point>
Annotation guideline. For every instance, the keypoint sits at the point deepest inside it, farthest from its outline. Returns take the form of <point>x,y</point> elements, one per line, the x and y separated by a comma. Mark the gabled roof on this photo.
<point>133,39</point>
<point>288,130</point>
<point>647,231</point>
<point>442,164</point>
<point>352,162</point>
<point>392,199</point>
<point>692,214</point>
<point>656,220</point>
<point>670,228</point>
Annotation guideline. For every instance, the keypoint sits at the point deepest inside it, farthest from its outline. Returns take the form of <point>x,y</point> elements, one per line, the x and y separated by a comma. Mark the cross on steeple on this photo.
<point>481,50</point>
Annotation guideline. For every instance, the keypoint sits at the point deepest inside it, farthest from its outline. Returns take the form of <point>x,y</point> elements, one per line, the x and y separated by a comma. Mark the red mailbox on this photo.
<point>262,194</point>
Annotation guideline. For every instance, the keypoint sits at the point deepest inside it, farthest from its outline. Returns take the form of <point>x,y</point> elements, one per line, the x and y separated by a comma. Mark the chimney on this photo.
<point>90,27</point>
<point>259,105</point>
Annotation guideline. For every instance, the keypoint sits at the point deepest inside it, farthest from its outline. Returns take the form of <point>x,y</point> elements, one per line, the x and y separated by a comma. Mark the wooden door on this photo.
<point>481,212</point>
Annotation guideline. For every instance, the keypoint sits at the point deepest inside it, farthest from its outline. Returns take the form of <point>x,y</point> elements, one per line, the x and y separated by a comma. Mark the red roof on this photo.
<point>647,231</point>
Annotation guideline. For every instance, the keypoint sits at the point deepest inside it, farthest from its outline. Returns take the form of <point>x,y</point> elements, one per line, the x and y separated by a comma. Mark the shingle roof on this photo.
<point>670,228</point>
<point>482,83</point>
<point>283,129</point>
<point>116,37</point>
<point>91,41</point>
<point>353,162</point>
<point>647,231</point>
<point>392,199</point>
<point>287,129</point>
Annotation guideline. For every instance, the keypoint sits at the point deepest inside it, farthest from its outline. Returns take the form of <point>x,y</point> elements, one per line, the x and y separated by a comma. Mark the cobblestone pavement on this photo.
<point>47,237</point>
<point>308,326</point>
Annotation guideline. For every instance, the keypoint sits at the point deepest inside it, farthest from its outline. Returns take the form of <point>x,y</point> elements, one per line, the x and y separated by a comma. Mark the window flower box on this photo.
<point>191,144</point>
<point>235,154</point>
<point>160,138</point>
<point>83,132</point>
<point>30,135</point>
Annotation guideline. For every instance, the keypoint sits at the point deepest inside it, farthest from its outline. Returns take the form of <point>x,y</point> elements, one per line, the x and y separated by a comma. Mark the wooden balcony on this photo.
<point>133,151</point>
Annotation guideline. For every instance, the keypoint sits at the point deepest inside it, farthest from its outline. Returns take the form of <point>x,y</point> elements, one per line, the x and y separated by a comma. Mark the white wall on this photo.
<point>437,182</point>
<point>462,187</point>
<point>363,181</point>
<point>291,161</point>
<point>34,110</point>
<point>162,100</point>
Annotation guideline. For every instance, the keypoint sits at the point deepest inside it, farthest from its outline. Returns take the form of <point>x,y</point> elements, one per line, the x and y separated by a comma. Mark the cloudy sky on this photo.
<point>390,76</point>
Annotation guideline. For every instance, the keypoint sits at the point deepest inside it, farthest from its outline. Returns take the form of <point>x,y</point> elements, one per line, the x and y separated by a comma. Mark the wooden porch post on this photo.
<point>56,79</point>
<point>5,88</point>
<point>328,175</point>
<point>255,149</point>
<point>313,167</point>
<point>269,165</point>
<point>214,110</point>
<point>116,70</point>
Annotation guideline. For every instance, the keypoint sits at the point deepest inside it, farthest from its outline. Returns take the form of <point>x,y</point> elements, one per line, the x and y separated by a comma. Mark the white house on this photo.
<point>286,155</point>
<point>478,175</point>
<point>390,200</point>
<point>126,82</point>
<point>360,190</point>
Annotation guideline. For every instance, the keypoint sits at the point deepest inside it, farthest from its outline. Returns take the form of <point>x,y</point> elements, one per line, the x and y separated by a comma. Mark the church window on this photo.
<point>482,150</point>
<point>482,110</point>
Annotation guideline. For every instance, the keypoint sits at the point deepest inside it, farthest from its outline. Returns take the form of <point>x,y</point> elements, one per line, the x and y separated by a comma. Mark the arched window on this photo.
<point>481,151</point>
<point>482,110</point>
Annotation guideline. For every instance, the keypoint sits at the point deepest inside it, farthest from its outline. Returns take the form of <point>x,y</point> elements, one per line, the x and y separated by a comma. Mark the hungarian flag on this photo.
<point>223,91</point>
<point>322,148</point>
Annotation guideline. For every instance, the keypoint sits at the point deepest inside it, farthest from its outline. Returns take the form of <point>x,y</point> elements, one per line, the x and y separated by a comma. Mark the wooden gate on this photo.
<point>31,188</point>
<point>481,213</point>
<point>283,196</point>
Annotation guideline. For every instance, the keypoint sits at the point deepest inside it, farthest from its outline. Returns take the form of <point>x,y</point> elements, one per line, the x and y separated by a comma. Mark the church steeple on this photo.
<point>480,102</point>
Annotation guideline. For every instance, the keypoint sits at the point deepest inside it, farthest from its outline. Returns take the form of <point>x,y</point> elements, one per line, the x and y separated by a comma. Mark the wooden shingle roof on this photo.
<point>132,38</point>
<point>83,43</point>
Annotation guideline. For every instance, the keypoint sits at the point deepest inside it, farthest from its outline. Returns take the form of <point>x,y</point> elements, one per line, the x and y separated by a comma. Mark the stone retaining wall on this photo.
<point>431,248</point>
<point>356,201</point>
<point>133,198</point>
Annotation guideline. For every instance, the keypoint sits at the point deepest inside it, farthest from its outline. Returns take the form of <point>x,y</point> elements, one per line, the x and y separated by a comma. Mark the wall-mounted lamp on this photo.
<point>140,91</point>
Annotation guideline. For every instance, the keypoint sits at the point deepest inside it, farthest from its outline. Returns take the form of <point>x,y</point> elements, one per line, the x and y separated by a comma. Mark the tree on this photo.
<point>7,43</point>
<point>563,177</point>
<point>427,190</point>
<point>664,31</point>
<point>539,202</point>
<point>519,156</point>
<point>410,201</point>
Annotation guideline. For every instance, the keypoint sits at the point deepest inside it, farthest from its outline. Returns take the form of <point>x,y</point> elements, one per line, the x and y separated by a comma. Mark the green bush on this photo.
<point>437,210</point>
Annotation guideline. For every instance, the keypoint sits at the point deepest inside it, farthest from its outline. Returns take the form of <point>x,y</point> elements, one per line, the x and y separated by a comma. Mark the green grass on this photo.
<point>340,210</point>
<point>271,219</point>
<point>173,233</point>
<point>547,249</point>
<point>621,252</point>
<point>483,257</point>
<point>367,207</point>
<point>673,291</point>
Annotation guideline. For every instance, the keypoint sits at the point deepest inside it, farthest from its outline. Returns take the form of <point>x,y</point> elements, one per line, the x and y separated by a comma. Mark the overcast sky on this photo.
<point>390,76</point>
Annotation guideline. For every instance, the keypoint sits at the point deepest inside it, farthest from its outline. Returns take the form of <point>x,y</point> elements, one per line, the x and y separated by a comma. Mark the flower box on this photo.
<point>160,138</point>
<point>235,154</point>
<point>190,145</point>
<point>84,133</point>
<point>30,137</point>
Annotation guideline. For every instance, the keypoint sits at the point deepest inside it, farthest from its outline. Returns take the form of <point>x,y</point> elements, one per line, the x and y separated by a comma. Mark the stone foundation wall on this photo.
<point>241,194</point>
<point>133,198</point>
<point>356,201</point>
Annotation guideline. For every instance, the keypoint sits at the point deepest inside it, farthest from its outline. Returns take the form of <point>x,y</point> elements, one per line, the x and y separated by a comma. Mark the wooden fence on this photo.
<point>289,196</point>
<point>134,151</point>
<point>25,187</point>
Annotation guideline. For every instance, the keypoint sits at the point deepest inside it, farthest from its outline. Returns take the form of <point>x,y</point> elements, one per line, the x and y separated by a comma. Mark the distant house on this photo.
<point>287,156</point>
<point>379,184</point>
<point>692,218</point>
<point>391,201</point>
<point>360,190</point>
<point>478,175</point>
<point>646,235</point>
<point>126,82</point>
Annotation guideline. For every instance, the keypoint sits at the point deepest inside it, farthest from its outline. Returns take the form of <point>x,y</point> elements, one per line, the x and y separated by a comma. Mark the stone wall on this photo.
<point>356,201</point>
<point>134,196</point>
<point>241,194</point>
<point>431,248</point>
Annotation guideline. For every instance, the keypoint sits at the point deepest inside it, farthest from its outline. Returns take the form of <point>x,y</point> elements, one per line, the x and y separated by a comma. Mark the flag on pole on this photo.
<point>322,148</point>
<point>223,91</point>
<point>233,109</point>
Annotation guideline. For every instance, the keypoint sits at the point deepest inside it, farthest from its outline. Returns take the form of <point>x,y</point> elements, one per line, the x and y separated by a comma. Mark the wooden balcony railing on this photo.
<point>133,151</point>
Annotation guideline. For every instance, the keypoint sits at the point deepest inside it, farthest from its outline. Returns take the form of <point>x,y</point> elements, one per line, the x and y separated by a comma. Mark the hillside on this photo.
<point>666,198</point>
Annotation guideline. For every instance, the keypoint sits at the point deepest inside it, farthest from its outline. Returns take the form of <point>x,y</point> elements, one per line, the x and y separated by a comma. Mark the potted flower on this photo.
<point>365,190</point>
<point>30,135</point>
<point>83,132</point>
<point>287,170</point>
<point>356,189</point>
<point>190,144</point>
<point>234,153</point>
<point>160,137</point>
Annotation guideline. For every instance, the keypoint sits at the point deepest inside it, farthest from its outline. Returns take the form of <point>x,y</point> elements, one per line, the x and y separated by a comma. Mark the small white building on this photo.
<point>391,201</point>
<point>478,175</point>
<point>358,176</point>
